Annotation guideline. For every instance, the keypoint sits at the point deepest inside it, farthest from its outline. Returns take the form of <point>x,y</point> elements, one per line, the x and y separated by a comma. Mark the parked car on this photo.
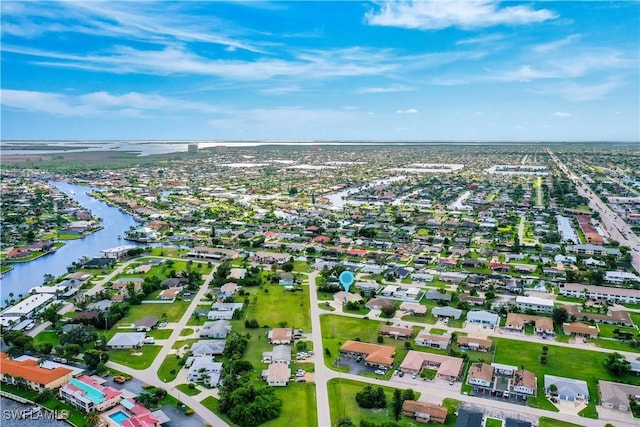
<point>119,379</point>
<point>379,372</point>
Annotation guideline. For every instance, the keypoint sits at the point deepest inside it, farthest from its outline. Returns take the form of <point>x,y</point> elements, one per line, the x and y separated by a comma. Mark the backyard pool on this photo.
<point>119,417</point>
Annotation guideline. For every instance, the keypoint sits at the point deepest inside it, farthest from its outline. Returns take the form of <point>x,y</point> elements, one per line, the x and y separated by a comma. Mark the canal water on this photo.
<point>13,415</point>
<point>26,275</point>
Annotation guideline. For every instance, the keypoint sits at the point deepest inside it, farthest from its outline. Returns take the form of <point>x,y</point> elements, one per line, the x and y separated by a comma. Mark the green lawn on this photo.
<point>184,388</point>
<point>124,357</point>
<point>212,404</point>
<point>419,319</point>
<point>493,422</point>
<point>342,402</point>
<point>186,331</point>
<point>615,345</point>
<point>606,331</point>
<point>550,422</point>
<point>160,334</point>
<point>47,337</point>
<point>562,362</point>
<point>169,364</point>
<point>436,331</point>
<point>182,343</point>
<point>174,312</point>
<point>276,306</point>
<point>635,317</point>
<point>298,406</point>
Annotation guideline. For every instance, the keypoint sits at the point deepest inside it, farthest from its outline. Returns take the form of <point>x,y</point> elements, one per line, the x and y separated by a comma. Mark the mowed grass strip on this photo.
<point>130,358</point>
<point>169,369</point>
<point>562,361</point>
<point>276,306</point>
<point>174,312</point>
<point>342,402</point>
<point>298,406</point>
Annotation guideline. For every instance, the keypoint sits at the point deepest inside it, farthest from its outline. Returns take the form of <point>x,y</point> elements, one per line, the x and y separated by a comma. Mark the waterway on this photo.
<point>25,276</point>
<point>338,199</point>
<point>12,412</point>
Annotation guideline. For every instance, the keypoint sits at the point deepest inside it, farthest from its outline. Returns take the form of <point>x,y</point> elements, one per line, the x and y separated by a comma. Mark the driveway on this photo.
<point>179,419</point>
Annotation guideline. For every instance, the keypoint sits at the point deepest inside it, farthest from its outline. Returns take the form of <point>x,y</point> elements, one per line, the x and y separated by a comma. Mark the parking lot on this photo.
<point>485,394</point>
<point>354,366</point>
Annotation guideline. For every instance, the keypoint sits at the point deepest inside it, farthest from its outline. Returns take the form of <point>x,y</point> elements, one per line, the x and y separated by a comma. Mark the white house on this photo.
<point>483,317</point>
<point>540,305</point>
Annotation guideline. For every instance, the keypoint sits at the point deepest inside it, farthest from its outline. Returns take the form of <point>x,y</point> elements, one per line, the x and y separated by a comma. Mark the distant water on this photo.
<point>26,275</point>
<point>10,410</point>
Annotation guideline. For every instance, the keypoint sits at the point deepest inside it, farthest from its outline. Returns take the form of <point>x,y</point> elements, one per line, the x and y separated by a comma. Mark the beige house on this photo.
<point>34,376</point>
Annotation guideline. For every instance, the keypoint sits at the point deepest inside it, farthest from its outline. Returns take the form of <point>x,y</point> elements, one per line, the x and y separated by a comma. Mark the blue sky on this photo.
<point>423,70</point>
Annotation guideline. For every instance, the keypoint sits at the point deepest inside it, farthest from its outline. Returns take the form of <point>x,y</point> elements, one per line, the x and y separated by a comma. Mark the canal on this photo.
<point>26,275</point>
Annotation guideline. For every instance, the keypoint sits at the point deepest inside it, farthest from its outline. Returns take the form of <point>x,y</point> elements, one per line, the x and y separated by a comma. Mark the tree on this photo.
<point>397,404</point>
<point>617,364</point>
<point>408,394</point>
<point>236,345</point>
<point>92,420</point>
<point>92,358</point>
<point>287,266</point>
<point>559,315</point>
<point>371,398</point>
<point>81,334</point>
<point>248,405</point>
<point>345,422</point>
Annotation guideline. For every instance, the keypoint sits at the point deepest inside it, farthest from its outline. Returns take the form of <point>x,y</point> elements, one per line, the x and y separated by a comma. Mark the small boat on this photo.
<point>119,237</point>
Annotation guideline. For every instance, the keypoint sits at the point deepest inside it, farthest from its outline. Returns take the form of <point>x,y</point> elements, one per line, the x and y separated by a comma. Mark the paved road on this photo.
<point>615,226</point>
<point>150,375</point>
<point>322,373</point>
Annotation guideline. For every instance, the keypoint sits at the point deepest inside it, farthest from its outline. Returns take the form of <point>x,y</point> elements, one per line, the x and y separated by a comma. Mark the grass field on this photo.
<point>492,422</point>
<point>278,306</point>
<point>342,402</point>
<point>184,388</point>
<point>298,406</point>
<point>635,317</point>
<point>47,337</point>
<point>420,319</point>
<point>174,312</point>
<point>160,334</point>
<point>124,357</point>
<point>562,361</point>
<point>550,422</point>
<point>169,364</point>
<point>607,330</point>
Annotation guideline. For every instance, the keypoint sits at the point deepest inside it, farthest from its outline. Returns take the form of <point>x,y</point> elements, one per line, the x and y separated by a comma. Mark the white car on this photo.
<point>379,372</point>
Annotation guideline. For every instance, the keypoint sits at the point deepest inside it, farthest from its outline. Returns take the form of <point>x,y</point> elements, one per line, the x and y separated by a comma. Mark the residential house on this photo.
<point>396,332</point>
<point>280,336</point>
<point>424,412</point>
<point>279,354</point>
<point>444,311</point>
<point>87,394</point>
<point>474,343</point>
<point>126,340</point>
<point>480,375</point>
<point>373,354</point>
<point>263,257</point>
<point>379,304</point>
<point>277,374</point>
<point>286,279</point>
<point>145,324</point>
<point>425,339</point>
<point>228,289</point>
<point>469,418</point>
<point>541,305</point>
<point>169,294</point>
<point>204,368</point>
<point>223,311</point>
<point>435,295</point>
<point>580,330</point>
<point>35,376</point>
<point>139,416</point>
<point>524,383</point>
<point>208,347</point>
<point>449,368</point>
<point>567,388</point>
<point>218,329</point>
<point>616,395</point>
<point>413,308</point>
<point>482,317</point>
<point>618,295</point>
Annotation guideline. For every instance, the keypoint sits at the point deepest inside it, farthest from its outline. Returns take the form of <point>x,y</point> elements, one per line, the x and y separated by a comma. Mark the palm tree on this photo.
<point>93,420</point>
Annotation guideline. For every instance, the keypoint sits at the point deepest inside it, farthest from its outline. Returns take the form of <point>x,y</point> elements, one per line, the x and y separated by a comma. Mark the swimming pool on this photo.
<point>119,417</point>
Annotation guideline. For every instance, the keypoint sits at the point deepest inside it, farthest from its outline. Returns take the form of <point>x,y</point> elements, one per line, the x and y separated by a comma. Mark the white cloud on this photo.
<point>385,89</point>
<point>581,92</point>
<point>95,103</point>
<point>546,47</point>
<point>437,15</point>
<point>407,111</point>
<point>481,39</point>
<point>149,22</point>
<point>562,114</point>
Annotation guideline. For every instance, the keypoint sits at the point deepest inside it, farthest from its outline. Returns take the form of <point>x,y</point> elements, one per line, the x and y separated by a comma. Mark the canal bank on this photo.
<point>25,276</point>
